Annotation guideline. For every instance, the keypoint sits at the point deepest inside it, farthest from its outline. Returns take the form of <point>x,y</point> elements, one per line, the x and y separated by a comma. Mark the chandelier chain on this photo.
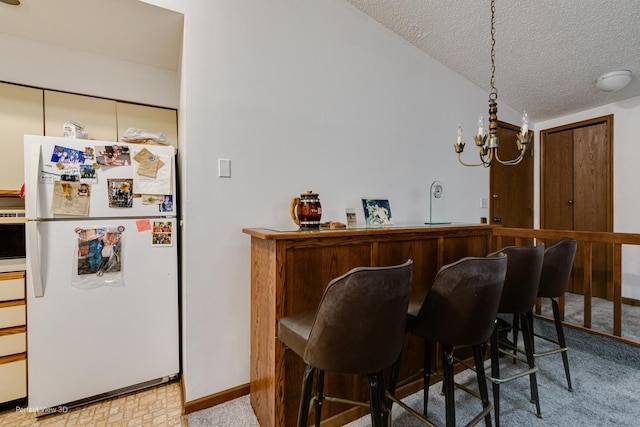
<point>488,143</point>
<point>494,92</point>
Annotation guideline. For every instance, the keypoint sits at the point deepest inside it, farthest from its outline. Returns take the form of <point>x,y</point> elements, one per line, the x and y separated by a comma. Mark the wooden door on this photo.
<point>576,183</point>
<point>593,189</point>
<point>511,187</point>
<point>557,194</point>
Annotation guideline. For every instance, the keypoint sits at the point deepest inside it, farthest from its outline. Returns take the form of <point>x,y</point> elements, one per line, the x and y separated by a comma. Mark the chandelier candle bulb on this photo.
<point>481,125</point>
<point>459,140</point>
<point>525,122</point>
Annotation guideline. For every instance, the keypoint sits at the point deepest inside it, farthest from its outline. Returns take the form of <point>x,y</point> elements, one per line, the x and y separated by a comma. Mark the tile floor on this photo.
<point>159,406</point>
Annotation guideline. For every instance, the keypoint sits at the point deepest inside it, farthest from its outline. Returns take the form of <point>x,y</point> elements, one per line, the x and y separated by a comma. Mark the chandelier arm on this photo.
<point>488,159</point>
<point>468,164</point>
<point>511,162</point>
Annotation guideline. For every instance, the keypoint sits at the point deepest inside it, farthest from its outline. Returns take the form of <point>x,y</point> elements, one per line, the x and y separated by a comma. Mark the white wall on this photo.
<point>626,175</point>
<point>302,95</point>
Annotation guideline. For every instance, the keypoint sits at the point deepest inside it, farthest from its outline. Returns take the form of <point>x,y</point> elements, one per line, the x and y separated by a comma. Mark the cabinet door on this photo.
<point>97,115</point>
<point>154,119</point>
<point>20,114</point>
<point>13,377</point>
<point>11,286</point>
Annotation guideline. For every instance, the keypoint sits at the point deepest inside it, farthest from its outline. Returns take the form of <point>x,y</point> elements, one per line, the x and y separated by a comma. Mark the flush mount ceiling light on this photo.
<point>614,80</point>
<point>11,2</point>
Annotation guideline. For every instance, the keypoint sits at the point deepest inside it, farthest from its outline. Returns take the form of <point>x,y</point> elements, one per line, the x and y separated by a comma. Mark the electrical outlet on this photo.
<point>484,203</point>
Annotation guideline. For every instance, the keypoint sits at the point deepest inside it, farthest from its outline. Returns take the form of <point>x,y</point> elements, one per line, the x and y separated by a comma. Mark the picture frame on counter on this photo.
<point>377,212</point>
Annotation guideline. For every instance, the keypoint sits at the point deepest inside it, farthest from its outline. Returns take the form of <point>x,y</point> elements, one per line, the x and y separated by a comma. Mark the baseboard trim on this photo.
<point>214,399</point>
<point>631,301</point>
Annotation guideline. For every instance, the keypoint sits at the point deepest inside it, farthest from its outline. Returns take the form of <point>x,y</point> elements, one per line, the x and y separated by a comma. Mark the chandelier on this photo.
<point>487,143</point>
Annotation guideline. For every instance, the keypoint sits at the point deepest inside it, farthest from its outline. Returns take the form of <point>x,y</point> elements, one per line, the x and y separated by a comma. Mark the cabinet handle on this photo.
<point>497,219</point>
<point>570,202</point>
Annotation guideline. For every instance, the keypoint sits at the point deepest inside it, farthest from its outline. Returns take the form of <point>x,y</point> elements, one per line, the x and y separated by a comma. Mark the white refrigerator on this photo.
<point>102,269</point>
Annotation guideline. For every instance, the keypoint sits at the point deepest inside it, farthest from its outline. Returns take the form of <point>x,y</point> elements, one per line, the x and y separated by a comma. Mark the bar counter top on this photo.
<point>292,233</point>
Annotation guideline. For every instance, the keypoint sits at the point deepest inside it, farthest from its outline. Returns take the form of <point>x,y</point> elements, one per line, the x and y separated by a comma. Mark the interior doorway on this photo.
<point>511,187</point>
<point>576,191</point>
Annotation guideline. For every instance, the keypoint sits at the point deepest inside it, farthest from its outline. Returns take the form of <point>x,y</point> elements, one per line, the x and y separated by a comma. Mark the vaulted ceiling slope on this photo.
<point>549,53</point>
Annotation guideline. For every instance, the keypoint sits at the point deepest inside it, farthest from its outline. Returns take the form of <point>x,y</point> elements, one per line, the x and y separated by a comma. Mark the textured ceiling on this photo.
<point>549,53</point>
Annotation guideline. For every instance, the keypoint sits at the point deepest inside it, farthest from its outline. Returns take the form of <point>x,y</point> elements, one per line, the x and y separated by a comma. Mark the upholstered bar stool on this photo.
<point>519,295</point>
<point>358,328</point>
<point>556,270</point>
<point>458,311</point>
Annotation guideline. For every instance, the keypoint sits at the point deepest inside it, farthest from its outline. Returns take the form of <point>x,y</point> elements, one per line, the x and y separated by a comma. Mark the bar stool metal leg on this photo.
<point>527,335</point>
<point>307,383</point>
<point>426,377</point>
<point>319,396</point>
<point>450,406</point>
<point>376,393</point>
<point>563,344</point>
<point>478,357</point>
<point>495,373</point>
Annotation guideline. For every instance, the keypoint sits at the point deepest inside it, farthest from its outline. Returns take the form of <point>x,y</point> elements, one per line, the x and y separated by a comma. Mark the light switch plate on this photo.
<point>224,168</point>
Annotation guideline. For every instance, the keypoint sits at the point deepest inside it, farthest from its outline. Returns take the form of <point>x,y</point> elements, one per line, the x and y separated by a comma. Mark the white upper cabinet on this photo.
<point>32,111</point>
<point>97,115</point>
<point>20,114</point>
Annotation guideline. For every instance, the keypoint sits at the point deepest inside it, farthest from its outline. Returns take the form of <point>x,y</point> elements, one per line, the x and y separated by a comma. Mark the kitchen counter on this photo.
<point>16,264</point>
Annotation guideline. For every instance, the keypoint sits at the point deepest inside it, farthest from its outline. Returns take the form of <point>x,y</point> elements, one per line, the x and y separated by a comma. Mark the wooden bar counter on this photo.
<point>289,272</point>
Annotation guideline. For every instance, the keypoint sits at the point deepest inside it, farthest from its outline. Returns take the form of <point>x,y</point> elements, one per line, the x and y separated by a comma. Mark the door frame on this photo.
<point>608,121</point>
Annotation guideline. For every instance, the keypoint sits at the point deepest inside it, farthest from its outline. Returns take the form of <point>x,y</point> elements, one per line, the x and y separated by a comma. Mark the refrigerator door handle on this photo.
<point>33,258</point>
<point>31,227</point>
<point>31,202</point>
